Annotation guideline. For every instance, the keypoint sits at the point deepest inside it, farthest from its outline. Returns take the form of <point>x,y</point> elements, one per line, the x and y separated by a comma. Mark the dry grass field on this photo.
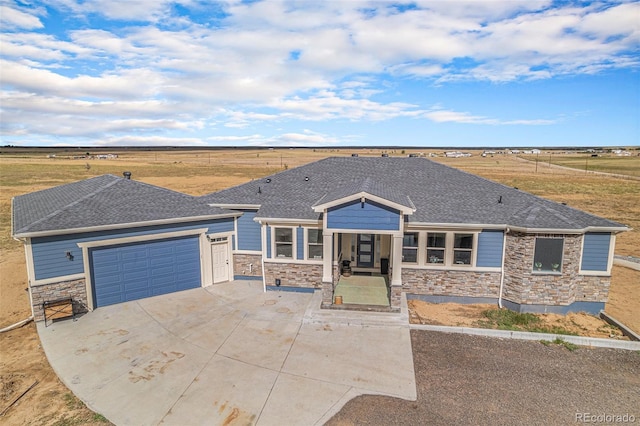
<point>200,172</point>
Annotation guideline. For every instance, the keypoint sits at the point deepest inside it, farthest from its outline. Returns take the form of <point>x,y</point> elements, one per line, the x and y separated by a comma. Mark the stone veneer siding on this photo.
<point>294,274</point>
<point>434,282</point>
<point>525,286</point>
<point>76,289</point>
<point>241,264</point>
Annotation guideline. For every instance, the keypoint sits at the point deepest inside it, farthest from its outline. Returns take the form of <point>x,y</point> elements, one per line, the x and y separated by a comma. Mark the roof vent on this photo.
<point>354,155</point>
<point>259,190</point>
<point>385,155</point>
<point>306,178</point>
<point>268,180</point>
<point>500,200</point>
<point>127,175</point>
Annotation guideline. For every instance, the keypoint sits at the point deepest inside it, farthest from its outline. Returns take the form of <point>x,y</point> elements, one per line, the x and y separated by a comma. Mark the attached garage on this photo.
<point>128,272</point>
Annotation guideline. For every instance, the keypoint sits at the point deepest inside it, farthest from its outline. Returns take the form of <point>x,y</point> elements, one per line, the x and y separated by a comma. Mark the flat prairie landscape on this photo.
<point>199,172</point>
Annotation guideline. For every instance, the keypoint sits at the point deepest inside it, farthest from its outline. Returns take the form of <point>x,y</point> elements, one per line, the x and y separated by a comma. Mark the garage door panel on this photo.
<point>163,271</point>
<point>136,271</point>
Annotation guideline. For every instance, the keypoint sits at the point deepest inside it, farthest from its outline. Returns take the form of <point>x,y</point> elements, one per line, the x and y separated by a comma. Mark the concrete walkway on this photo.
<point>229,354</point>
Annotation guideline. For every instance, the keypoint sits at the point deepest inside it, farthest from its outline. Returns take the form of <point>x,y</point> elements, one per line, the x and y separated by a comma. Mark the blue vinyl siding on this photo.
<point>49,253</point>
<point>249,232</point>
<point>300,242</point>
<point>490,249</point>
<point>367,216</point>
<point>595,251</point>
<point>268,242</point>
<point>134,271</point>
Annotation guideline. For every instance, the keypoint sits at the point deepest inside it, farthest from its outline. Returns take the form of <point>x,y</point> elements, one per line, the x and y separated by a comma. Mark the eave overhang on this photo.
<point>122,226</point>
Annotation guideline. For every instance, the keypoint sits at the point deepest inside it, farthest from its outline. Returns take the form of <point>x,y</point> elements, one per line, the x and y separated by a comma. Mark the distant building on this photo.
<point>456,154</point>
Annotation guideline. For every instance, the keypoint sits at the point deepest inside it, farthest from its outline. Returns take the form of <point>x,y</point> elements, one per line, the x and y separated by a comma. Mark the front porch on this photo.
<point>362,271</point>
<point>366,291</point>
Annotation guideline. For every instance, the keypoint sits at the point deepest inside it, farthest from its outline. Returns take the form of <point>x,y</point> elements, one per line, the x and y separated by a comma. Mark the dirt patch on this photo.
<point>478,316</point>
<point>475,380</point>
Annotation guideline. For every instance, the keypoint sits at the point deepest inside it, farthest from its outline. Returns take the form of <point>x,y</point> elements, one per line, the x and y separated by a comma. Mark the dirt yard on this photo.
<point>22,361</point>
<point>454,314</point>
<point>474,380</point>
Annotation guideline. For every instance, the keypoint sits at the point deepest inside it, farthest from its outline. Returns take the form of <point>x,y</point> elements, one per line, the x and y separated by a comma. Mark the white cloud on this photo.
<point>448,116</point>
<point>13,18</point>
<point>266,62</point>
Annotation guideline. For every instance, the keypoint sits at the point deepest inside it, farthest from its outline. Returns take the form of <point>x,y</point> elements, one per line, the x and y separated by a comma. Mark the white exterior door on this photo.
<point>220,262</point>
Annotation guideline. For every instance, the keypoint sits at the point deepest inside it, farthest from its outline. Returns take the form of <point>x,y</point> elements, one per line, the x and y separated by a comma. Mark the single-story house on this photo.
<point>417,226</point>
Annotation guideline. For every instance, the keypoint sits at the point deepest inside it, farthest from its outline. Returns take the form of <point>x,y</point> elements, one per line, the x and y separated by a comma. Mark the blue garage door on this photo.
<point>135,271</point>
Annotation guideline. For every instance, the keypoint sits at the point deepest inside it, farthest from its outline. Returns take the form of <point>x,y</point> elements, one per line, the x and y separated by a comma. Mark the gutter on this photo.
<point>504,251</point>
<point>169,221</point>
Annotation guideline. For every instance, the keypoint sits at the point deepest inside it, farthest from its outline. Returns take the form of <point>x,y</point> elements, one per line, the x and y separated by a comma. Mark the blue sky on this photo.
<point>323,74</point>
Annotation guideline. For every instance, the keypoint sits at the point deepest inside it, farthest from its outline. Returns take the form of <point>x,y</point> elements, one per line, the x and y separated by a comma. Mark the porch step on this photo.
<point>316,315</point>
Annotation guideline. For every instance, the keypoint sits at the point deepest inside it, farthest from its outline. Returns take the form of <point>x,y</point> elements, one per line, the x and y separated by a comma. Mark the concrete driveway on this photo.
<point>229,354</point>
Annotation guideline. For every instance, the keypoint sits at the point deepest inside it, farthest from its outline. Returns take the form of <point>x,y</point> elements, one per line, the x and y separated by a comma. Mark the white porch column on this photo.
<point>397,260</point>
<point>327,257</point>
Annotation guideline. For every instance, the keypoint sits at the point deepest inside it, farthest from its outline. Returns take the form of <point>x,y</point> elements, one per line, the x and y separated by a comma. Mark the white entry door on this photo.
<point>220,262</point>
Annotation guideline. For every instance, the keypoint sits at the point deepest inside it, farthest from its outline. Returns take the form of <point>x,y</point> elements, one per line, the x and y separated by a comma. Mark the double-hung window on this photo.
<point>284,242</point>
<point>410,247</point>
<point>314,243</point>
<point>462,249</point>
<point>436,247</point>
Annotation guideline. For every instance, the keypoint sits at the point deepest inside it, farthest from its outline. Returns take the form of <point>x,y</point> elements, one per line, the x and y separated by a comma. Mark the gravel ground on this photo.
<point>473,380</point>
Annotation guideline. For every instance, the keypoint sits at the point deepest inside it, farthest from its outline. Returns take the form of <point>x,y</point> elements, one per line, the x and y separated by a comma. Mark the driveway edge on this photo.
<point>525,335</point>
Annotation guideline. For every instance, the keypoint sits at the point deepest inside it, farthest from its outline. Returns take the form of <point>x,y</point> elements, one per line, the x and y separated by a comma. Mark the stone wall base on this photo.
<point>450,283</point>
<point>294,274</point>
<point>247,265</point>
<point>76,289</point>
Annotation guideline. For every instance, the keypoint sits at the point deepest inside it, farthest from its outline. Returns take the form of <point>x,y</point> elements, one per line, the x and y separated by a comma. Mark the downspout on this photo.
<point>264,278</point>
<point>504,250</point>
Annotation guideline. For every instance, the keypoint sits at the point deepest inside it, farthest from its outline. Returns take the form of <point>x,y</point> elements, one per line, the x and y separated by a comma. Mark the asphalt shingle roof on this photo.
<point>103,201</point>
<point>440,194</point>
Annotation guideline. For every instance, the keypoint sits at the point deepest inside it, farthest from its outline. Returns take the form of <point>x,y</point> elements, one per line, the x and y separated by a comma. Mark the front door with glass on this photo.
<point>365,250</point>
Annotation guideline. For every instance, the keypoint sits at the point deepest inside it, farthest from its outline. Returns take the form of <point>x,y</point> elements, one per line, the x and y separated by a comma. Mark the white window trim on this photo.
<point>426,249</point>
<point>448,255</point>
<point>417,248</point>
<point>294,245</point>
<point>451,250</point>
<point>306,243</point>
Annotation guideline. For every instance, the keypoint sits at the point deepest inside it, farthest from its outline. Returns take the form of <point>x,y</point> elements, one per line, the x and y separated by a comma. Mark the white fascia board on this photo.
<point>430,225</point>
<point>143,238</point>
<point>612,229</point>
<point>408,210</point>
<point>124,225</point>
<point>237,206</point>
<point>287,221</point>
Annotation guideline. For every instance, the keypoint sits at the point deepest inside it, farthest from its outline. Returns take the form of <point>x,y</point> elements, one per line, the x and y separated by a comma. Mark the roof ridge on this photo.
<point>139,182</point>
<point>287,171</point>
<point>62,209</point>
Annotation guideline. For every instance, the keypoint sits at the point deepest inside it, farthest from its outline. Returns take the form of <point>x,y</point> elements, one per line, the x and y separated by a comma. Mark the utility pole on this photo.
<point>537,155</point>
